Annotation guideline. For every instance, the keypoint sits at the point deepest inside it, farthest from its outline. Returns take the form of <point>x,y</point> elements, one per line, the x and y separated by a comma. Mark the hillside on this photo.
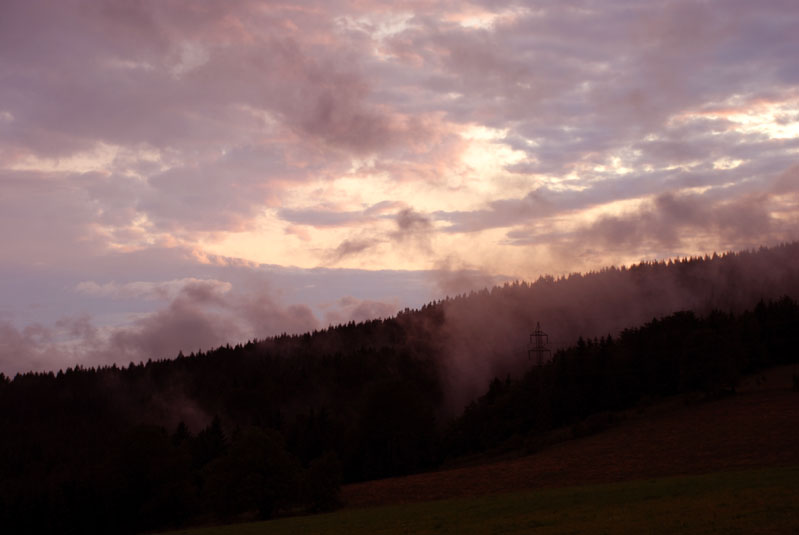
<point>751,430</point>
<point>727,465</point>
<point>273,426</point>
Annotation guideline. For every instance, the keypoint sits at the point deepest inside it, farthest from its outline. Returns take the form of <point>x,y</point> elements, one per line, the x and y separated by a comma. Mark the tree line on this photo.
<point>275,426</point>
<point>583,385</point>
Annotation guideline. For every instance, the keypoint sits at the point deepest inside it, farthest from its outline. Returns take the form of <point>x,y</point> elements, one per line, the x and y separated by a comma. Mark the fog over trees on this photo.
<point>274,426</point>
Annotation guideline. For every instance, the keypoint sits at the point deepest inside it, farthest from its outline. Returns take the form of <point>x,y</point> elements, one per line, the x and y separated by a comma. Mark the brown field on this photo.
<point>681,466</point>
<point>759,427</point>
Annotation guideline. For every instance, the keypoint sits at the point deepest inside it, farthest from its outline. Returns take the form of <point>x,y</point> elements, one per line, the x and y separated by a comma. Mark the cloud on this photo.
<point>350,308</point>
<point>454,277</point>
<point>237,102</point>
<point>49,217</point>
<point>411,222</point>
<point>196,319</point>
<point>487,334</point>
<point>131,306</point>
<point>505,212</point>
<point>672,222</point>
<point>329,216</point>
<point>412,231</point>
<point>231,103</point>
<point>412,228</point>
<point>203,314</point>
<point>166,290</point>
<point>378,134</point>
<point>351,247</point>
<point>787,182</point>
<point>22,346</point>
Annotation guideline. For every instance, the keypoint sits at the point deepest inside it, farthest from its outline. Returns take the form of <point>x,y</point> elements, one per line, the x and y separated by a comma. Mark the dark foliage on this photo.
<point>274,426</point>
<point>677,354</point>
<point>88,451</point>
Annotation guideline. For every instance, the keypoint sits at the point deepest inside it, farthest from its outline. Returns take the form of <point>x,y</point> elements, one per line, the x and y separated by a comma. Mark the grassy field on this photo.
<point>751,501</point>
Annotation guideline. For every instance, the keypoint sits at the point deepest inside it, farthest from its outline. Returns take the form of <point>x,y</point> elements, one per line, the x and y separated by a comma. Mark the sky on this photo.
<point>178,174</point>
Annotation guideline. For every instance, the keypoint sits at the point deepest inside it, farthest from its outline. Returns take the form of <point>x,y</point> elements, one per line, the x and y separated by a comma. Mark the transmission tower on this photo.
<point>538,345</point>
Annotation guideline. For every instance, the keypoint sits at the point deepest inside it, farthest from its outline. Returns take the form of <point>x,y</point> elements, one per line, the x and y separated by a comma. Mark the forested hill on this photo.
<point>585,383</point>
<point>273,426</point>
<point>486,334</point>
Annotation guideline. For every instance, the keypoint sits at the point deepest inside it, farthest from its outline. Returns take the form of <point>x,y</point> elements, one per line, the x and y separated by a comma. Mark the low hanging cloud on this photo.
<point>454,277</point>
<point>59,315</point>
<point>350,308</point>
<point>204,314</point>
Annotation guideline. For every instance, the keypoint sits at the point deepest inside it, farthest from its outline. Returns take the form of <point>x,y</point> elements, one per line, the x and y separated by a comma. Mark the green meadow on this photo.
<point>751,501</point>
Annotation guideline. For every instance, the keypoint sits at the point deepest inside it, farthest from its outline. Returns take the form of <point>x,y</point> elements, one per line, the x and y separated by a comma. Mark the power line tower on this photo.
<point>538,345</point>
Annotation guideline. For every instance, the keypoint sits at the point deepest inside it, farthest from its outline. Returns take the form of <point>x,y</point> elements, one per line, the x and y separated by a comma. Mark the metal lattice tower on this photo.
<point>538,345</point>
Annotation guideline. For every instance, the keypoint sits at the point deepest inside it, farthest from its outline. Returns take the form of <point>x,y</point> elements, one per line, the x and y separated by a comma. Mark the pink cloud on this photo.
<point>203,315</point>
<point>216,113</point>
<point>350,308</point>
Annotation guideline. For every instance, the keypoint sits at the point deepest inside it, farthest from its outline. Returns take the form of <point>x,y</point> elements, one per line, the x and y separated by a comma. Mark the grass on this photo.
<point>751,501</point>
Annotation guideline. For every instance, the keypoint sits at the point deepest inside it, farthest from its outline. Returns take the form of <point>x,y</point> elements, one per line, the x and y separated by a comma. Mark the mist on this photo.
<point>485,334</point>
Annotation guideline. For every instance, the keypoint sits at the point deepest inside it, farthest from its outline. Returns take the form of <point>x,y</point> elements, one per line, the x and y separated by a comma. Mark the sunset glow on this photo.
<point>261,145</point>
